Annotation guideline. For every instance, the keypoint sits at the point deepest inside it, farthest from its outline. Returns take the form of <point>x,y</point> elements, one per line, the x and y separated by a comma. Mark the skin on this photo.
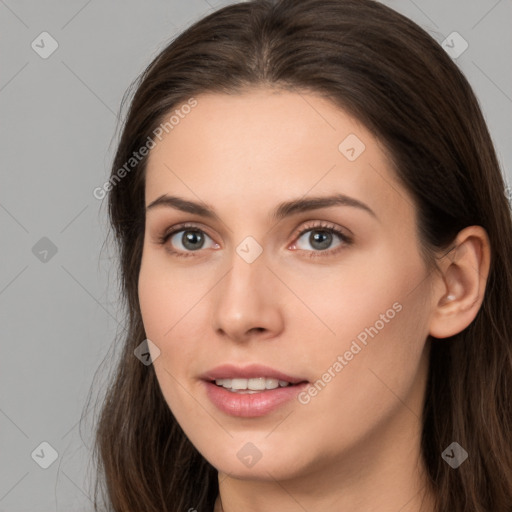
<point>356,444</point>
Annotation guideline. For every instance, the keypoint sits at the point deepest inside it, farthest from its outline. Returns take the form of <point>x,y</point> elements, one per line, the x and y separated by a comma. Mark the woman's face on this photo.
<point>264,280</point>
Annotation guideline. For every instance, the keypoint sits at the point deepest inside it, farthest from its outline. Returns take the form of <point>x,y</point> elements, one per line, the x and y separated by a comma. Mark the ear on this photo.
<point>460,287</point>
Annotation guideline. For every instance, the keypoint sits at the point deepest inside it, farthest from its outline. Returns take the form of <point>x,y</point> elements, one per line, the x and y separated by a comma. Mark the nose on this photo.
<point>246,302</point>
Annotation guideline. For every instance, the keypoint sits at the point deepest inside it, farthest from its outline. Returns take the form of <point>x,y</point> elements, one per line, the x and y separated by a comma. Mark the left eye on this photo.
<point>321,238</point>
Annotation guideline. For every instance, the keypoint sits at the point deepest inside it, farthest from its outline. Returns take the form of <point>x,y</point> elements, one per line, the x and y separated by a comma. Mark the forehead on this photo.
<point>281,122</point>
<point>269,144</point>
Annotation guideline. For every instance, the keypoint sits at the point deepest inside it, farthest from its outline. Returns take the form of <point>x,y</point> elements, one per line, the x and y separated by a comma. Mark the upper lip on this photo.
<point>230,371</point>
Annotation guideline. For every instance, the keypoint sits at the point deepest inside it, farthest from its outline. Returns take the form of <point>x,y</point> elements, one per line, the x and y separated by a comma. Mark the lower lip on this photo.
<point>251,405</point>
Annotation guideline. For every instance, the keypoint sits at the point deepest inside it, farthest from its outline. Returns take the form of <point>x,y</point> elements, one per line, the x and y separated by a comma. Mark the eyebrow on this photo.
<point>283,210</point>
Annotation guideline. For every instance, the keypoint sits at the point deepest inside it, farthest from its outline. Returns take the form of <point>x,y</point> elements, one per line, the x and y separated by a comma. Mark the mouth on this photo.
<point>250,391</point>
<point>253,377</point>
<point>253,385</point>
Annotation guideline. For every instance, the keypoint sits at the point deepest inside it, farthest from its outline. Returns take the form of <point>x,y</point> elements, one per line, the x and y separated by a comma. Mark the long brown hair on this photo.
<point>391,75</point>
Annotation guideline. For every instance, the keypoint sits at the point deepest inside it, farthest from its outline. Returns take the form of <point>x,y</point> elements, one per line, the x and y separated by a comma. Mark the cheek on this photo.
<point>171,307</point>
<point>353,297</point>
<point>164,316</point>
<point>155,303</point>
<point>354,398</point>
<point>377,319</point>
<point>164,297</point>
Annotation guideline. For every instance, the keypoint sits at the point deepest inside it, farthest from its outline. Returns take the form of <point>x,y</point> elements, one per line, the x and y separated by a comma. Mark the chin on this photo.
<point>265,461</point>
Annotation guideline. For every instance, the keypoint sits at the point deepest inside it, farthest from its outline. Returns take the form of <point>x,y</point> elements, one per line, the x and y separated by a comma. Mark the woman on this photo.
<point>314,244</point>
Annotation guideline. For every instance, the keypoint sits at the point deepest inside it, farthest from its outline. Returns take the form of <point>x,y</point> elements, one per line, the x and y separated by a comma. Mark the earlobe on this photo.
<point>460,287</point>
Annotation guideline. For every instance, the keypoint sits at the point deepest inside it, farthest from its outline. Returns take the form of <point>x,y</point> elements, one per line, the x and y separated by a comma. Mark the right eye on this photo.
<point>190,237</point>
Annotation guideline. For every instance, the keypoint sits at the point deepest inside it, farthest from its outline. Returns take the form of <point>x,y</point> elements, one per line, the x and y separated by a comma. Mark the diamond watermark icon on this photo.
<point>44,250</point>
<point>454,455</point>
<point>147,352</point>
<point>44,45</point>
<point>351,147</point>
<point>455,45</point>
<point>45,455</point>
<point>249,455</point>
<point>249,249</point>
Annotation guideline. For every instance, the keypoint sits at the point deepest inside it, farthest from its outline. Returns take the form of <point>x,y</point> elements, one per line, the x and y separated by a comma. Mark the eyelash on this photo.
<point>345,240</point>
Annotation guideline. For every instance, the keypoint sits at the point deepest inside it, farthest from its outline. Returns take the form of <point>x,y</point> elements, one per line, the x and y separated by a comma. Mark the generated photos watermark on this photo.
<point>165,127</point>
<point>304,397</point>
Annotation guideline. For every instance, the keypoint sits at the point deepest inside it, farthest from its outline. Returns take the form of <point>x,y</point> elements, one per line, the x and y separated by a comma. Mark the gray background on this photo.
<point>59,312</point>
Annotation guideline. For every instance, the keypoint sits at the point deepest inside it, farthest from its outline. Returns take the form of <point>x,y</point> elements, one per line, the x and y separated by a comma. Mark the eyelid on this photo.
<point>319,225</point>
<point>183,226</point>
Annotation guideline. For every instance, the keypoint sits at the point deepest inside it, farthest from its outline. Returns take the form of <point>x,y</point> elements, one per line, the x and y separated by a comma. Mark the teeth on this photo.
<point>255,384</point>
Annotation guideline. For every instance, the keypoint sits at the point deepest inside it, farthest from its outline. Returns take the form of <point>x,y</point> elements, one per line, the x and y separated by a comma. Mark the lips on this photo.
<point>252,371</point>
<point>247,403</point>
